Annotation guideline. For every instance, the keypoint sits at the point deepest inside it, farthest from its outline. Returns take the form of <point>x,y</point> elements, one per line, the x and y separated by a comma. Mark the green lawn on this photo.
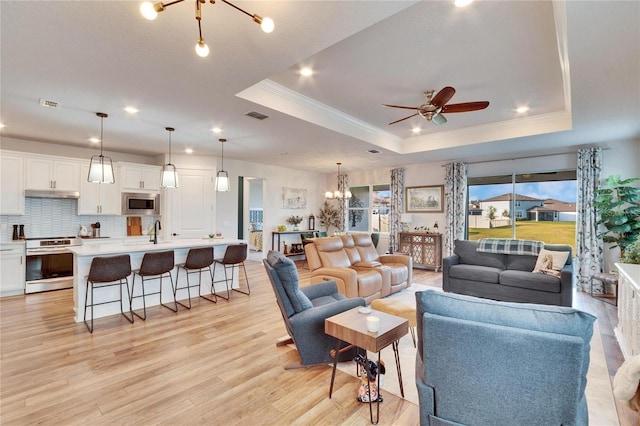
<point>549,232</point>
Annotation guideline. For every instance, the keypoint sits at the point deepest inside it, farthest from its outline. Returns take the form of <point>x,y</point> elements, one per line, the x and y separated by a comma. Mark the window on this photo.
<point>534,206</point>
<point>368,208</point>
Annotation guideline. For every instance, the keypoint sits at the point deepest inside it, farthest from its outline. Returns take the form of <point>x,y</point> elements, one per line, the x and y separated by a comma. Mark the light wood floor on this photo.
<point>216,364</point>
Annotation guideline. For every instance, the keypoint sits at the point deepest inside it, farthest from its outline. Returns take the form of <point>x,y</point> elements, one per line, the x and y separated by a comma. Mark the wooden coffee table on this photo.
<point>351,327</point>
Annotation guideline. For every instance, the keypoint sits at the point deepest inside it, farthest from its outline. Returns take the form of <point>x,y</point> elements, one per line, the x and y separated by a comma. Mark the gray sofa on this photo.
<point>506,277</point>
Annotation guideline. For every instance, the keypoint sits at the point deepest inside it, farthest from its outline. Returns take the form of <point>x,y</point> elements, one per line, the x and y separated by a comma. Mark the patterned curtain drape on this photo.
<point>455,199</point>
<point>589,247</point>
<point>396,208</point>
<point>343,185</point>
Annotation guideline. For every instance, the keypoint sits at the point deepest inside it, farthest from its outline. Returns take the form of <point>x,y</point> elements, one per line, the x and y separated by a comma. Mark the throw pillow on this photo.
<point>288,275</point>
<point>550,262</point>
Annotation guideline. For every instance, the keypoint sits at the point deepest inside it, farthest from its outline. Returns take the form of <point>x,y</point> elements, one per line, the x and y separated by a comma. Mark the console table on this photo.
<point>278,234</point>
<point>425,249</point>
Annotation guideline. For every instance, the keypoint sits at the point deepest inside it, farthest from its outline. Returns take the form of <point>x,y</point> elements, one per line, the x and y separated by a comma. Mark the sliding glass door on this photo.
<point>533,206</point>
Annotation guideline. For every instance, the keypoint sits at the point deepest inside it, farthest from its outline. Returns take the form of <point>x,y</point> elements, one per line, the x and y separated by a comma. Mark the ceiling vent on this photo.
<point>373,151</point>
<point>49,104</point>
<point>257,115</point>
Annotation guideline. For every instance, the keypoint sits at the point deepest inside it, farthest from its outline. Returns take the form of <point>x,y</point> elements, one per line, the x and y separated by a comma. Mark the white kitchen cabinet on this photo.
<point>98,198</point>
<point>11,184</point>
<point>138,177</point>
<point>12,269</point>
<point>45,173</point>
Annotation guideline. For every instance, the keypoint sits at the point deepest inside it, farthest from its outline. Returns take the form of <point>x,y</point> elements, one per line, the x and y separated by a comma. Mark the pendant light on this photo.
<point>101,167</point>
<point>222,177</point>
<point>169,178</point>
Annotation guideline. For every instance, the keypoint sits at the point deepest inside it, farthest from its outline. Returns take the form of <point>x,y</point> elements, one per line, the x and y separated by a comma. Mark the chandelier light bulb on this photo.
<point>267,25</point>
<point>148,10</point>
<point>202,49</point>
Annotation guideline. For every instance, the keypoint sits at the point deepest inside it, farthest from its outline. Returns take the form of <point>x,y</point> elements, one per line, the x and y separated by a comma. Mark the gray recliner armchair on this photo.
<point>304,310</point>
<point>483,362</point>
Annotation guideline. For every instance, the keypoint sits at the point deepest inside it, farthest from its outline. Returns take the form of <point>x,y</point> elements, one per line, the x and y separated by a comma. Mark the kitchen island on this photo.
<point>83,256</point>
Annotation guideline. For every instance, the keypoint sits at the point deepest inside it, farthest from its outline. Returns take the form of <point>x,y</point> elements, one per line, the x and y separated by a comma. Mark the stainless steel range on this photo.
<point>49,263</point>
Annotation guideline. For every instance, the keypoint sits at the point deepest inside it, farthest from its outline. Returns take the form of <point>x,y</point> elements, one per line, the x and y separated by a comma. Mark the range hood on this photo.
<point>37,193</point>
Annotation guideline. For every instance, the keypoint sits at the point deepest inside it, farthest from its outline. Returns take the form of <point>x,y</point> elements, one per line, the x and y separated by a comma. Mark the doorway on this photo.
<point>252,215</point>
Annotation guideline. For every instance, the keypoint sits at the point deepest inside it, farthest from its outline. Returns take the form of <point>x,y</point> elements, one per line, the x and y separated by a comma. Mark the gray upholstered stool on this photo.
<point>234,256</point>
<point>107,272</point>
<point>606,279</point>
<point>198,259</point>
<point>155,265</point>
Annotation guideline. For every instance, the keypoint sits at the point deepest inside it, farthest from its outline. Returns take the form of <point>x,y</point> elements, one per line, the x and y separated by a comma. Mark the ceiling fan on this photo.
<point>433,108</point>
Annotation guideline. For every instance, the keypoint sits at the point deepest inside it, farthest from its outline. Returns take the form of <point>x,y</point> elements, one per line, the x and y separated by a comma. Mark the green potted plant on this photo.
<point>632,253</point>
<point>618,206</point>
<point>328,216</point>
<point>295,221</point>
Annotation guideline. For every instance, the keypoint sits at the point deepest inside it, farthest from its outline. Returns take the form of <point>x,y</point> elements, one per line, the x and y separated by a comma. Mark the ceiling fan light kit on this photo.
<point>150,11</point>
<point>435,106</point>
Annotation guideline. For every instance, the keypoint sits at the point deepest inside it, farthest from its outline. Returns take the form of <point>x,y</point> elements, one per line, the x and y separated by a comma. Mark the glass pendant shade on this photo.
<point>101,170</point>
<point>101,167</point>
<point>202,49</point>
<point>222,182</point>
<point>169,178</point>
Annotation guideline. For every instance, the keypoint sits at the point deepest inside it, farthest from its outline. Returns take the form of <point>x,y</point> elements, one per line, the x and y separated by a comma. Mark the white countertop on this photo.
<point>146,246</point>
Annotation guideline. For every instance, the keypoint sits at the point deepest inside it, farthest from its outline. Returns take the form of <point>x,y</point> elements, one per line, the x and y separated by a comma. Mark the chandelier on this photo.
<point>150,11</point>
<point>341,193</point>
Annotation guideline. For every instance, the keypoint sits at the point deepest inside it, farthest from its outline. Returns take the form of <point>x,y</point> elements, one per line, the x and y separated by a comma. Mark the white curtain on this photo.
<point>455,198</point>
<point>396,208</point>
<point>589,247</point>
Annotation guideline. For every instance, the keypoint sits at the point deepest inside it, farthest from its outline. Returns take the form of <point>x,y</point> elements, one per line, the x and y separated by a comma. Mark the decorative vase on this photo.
<point>21,235</point>
<point>15,232</point>
<point>295,228</point>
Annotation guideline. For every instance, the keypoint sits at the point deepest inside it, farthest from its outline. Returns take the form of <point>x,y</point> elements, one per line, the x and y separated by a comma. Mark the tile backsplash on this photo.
<point>57,217</point>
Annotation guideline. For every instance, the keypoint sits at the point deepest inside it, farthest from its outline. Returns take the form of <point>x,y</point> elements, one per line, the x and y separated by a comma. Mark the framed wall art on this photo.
<point>424,199</point>
<point>294,198</point>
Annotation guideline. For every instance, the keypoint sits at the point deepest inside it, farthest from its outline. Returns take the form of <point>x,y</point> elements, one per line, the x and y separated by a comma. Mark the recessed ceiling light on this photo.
<point>131,110</point>
<point>462,3</point>
<point>94,140</point>
<point>306,71</point>
<point>188,151</point>
<point>216,130</point>
<point>522,109</point>
<point>2,125</point>
<point>416,129</point>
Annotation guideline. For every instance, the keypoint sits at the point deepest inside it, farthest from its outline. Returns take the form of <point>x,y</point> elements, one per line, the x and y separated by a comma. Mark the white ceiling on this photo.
<point>576,65</point>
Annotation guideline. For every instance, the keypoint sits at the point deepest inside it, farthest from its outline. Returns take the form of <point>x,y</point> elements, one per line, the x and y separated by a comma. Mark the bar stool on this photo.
<point>155,265</point>
<point>198,259</point>
<point>234,256</point>
<point>104,272</point>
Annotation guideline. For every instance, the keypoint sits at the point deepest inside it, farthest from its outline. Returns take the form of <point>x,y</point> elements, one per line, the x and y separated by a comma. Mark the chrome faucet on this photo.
<point>156,227</point>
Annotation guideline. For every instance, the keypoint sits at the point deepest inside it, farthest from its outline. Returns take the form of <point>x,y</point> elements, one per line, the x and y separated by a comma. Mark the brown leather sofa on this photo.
<point>354,264</point>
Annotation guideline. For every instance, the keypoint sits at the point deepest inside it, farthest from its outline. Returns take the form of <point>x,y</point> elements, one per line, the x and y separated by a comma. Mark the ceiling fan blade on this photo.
<point>466,106</point>
<point>399,106</point>
<point>443,96</point>
<point>402,119</point>
<point>438,119</point>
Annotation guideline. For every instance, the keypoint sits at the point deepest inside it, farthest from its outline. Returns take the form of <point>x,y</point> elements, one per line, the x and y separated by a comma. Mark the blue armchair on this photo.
<point>483,362</point>
<point>304,310</point>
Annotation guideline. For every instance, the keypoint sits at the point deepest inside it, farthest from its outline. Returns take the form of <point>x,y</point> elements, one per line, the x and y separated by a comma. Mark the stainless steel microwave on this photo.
<point>140,204</point>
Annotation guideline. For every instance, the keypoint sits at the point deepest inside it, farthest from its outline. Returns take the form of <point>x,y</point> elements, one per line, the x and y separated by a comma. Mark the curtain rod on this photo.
<point>525,157</point>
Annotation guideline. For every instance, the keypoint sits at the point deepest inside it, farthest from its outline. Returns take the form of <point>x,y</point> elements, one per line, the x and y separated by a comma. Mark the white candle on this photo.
<point>373,324</point>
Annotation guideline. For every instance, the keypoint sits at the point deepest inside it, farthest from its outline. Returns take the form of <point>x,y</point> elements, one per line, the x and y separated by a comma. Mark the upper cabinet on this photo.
<point>11,184</point>
<point>44,173</point>
<point>98,198</point>
<point>136,177</point>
